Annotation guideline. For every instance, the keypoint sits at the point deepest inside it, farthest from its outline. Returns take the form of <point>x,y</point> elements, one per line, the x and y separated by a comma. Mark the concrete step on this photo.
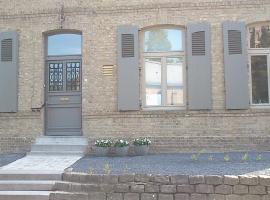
<point>24,195</point>
<point>56,153</point>
<point>64,140</point>
<point>29,175</point>
<point>58,147</point>
<point>27,185</point>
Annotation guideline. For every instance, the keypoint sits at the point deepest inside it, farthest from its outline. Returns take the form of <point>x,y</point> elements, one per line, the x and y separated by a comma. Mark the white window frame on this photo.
<point>163,56</point>
<point>258,52</point>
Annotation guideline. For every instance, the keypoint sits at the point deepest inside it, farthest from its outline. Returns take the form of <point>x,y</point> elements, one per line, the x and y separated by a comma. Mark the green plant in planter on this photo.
<point>103,143</point>
<point>141,146</point>
<point>102,147</point>
<point>141,141</point>
<point>121,143</point>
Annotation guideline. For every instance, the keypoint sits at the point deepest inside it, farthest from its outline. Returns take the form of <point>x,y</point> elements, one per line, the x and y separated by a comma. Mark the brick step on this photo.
<point>199,147</point>
<point>202,145</point>
<point>201,141</point>
<point>169,149</point>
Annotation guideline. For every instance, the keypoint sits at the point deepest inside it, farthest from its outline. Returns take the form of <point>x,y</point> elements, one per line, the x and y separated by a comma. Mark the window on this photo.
<point>64,62</point>
<point>259,52</point>
<point>64,44</point>
<point>259,36</point>
<point>163,57</point>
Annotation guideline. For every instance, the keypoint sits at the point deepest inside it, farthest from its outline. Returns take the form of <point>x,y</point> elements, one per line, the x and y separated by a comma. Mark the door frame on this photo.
<point>58,58</point>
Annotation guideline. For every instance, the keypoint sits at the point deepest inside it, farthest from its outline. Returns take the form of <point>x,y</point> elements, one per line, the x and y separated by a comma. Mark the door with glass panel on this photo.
<point>63,85</point>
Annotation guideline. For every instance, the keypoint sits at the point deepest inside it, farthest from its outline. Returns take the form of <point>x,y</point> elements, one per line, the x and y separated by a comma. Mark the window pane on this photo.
<point>163,40</point>
<point>175,96</point>
<point>153,96</point>
<point>259,36</point>
<point>259,79</point>
<point>153,71</point>
<point>55,76</point>
<point>64,44</point>
<point>73,80</point>
<point>153,81</point>
<point>175,81</point>
<point>174,71</point>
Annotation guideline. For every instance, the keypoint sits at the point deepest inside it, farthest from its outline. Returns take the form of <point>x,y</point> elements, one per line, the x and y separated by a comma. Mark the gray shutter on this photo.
<point>199,66</point>
<point>235,63</point>
<point>128,68</point>
<point>8,71</point>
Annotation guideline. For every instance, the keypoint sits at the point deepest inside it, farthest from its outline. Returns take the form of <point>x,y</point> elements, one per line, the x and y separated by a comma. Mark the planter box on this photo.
<point>102,151</point>
<point>121,151</point>
<point>141,150</point>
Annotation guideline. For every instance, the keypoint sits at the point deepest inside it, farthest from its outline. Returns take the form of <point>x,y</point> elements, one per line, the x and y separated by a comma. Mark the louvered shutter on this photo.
<point>235,64</point>
<point>8,71</point>
<point>199,66</point>
<point>127,68</point>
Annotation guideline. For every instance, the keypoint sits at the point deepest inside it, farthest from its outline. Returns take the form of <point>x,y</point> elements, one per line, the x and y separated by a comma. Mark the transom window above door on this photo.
<point>259,35</point>
<point>64,44</point>
<point>164,61</point>
<point>259,54</point>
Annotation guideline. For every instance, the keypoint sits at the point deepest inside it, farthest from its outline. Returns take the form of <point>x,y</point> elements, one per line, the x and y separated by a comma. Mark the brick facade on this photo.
<point>98,21</point>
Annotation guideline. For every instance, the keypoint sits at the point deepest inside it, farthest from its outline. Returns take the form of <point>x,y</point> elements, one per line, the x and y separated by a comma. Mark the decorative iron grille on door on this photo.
<point>64,76</point>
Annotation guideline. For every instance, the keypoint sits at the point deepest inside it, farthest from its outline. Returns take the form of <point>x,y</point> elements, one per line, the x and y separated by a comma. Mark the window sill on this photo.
<point>257,106</point>
<point>164,108</point>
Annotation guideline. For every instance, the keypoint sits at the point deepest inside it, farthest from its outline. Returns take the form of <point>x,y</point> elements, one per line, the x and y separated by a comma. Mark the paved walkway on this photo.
<point>41,163</point>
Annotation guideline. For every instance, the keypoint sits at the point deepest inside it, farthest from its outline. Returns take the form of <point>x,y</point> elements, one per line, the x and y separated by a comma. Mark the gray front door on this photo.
<point>63,96</point>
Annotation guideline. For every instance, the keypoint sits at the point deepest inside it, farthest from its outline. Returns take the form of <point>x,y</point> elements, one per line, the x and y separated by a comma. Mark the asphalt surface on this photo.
<point>9,158</point>
<point>233,163</point>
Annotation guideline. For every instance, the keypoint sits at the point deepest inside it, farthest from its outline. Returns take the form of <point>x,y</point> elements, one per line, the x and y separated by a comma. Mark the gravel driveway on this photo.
<point>233,163</point>
<point>9,158</point>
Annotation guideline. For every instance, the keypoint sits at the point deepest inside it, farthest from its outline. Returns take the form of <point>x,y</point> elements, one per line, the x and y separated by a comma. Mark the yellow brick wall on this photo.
<point>98,19</point>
